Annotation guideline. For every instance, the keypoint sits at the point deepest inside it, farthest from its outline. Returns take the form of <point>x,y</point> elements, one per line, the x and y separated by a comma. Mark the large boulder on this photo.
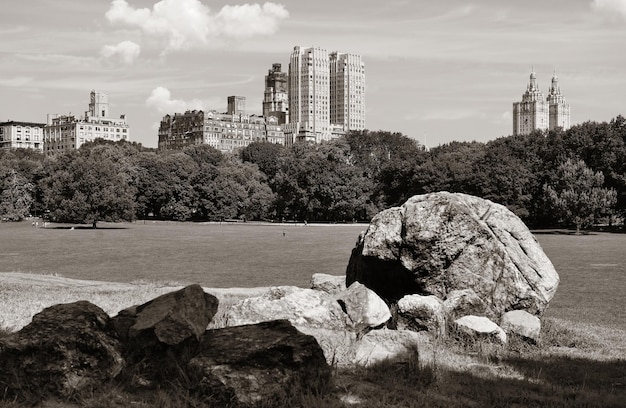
<point>66,349</point>
<point>380,345</point>
<point>302,307</point>
<point>257,363</point>
<point>168,319</point>
<point>438,243</point>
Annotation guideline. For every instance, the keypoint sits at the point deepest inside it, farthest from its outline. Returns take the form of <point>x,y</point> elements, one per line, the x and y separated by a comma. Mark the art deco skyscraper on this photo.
<point>309,94</point>
<point>347,91</point>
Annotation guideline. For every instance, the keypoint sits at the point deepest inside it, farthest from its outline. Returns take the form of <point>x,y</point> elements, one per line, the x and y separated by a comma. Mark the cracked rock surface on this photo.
<point>438,243</point>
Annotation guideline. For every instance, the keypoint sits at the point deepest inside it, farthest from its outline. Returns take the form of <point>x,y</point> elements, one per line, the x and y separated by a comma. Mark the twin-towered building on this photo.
<point>535,112</point>
<point>321,97</point>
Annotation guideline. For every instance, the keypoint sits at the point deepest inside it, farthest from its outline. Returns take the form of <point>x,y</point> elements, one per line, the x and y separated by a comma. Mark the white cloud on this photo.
<point>186,24</point>
<point>161,100</point>
<point>610,7</point>
<point>126,51</point>
<point>17,82</point>
<point>250,19</point>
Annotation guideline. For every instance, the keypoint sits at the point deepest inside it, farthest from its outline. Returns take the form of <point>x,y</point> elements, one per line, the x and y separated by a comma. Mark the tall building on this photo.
<point>347,91</point>
<point>326,94</point>
<point>535,112</point>
<point>69,132</point>
<point>559,113</point>
<point>309,95</point>
<point>25,135</point>
<point>276,96</point>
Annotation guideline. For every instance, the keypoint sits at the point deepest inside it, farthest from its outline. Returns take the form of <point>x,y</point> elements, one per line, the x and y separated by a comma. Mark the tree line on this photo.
<point>557,178</point>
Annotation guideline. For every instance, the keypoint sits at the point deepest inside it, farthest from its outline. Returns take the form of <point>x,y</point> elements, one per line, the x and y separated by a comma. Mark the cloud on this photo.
<point>187,24</point>
<point>126,51</point>
<point>18,81</point>
<point>161,100</point>
<point>610,7</point>
<point>250,19</point>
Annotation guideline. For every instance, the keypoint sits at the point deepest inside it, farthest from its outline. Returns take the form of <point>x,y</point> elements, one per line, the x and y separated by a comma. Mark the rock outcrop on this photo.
<point>331,284</point>
<point>255,363</point>
<point>302,307</point>
<point>169,319</point>
<point>66,348</point>
<point>439,243</point>
<point>422,313</point>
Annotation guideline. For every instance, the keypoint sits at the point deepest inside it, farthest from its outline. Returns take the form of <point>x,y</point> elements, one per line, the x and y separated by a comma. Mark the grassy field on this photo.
<point>213,255</point>
<point>592,267</point>
<point>580,361</point>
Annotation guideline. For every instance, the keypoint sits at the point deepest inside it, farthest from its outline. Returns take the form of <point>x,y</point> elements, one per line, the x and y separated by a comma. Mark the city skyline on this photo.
<point>435,72</point>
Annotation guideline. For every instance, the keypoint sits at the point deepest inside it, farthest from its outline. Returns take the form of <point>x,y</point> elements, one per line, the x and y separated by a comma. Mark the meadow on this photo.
<point>580,361</point>
<point>592,267</point>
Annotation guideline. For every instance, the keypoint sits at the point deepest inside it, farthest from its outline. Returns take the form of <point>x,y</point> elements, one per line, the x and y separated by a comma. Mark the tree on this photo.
<point>90,185</point>
<point>577,194</point>
<point>16,195</point>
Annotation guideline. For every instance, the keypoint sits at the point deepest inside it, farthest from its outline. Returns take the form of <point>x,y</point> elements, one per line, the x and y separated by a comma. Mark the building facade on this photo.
<point>24,135</point>
<point>535,112</point>
<point>347,91</point>
<point>276,95</point>
<point>222,131</point>
<point>326,94</point>
<point>69,132</point>
<point>309,95</point>
<point>236,105</point>
<point>559,111</point>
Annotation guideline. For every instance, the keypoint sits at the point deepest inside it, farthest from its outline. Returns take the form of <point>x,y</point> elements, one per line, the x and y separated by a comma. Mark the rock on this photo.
<point>521,323</point>
<point>438,243</point>
<point>330,284</point>
<point>462,303</point>
<point>302,307</point>
<point>380,345</point>
<point>365,309</point>
<point>480,327</point>
<point>67,348</point>
<point>254,363</point>
<point>420,313</point>
<point>338,345</point>
<point>169,319</point>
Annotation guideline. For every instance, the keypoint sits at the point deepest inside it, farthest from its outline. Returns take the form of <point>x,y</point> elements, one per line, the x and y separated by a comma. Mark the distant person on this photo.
<point>284,233</point>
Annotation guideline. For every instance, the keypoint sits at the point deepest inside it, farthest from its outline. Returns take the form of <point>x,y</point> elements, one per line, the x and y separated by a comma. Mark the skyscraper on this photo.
<point>309,94</point>
<point>347,91</point>
<point>535,112</point>
<point>276,96</point>
<point>559,113</point>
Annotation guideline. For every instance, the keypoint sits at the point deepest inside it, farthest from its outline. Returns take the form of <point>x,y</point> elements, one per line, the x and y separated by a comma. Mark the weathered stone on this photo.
<point>66,348</point>
<point>254,363</point>
<point>365,309</point>
<point>302,307</point>
<point>330,284</point>
<point>521,323</point>
<point>441,242</point>
<point>169,319</point>
<point>422,313</point>
<point>380,345</point>
<point>480,327</point>
<point>462,303</point>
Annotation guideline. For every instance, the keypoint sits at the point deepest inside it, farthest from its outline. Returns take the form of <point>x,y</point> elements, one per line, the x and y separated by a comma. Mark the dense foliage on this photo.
<point>351,178</point>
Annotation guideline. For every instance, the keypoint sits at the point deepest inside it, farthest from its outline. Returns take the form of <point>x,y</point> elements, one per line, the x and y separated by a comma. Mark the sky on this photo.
<point>436,71</point>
